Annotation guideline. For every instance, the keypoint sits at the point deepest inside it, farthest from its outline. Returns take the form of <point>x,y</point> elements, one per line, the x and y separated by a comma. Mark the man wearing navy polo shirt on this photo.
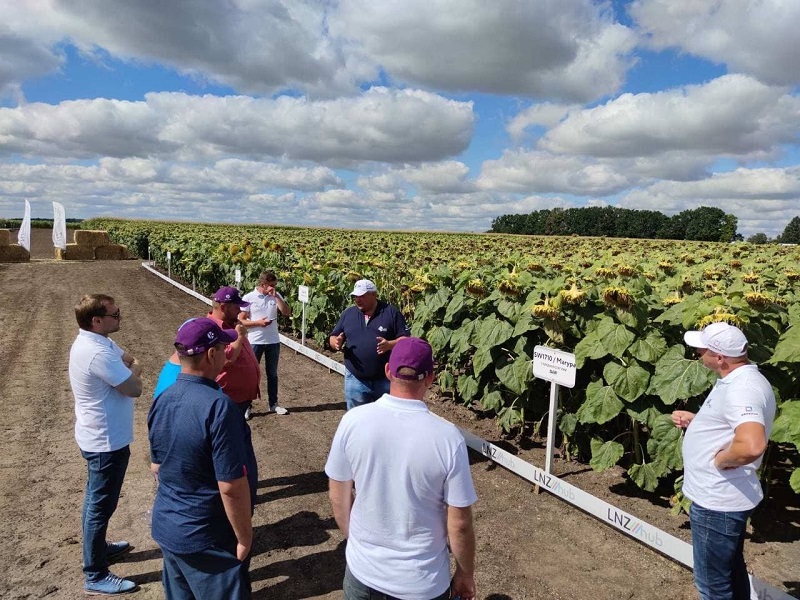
<point>366,333</point>
<point>202,455</point>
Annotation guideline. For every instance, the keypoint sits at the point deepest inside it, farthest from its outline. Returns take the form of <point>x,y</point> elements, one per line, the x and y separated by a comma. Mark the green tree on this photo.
<point>758,238</point>
<point>791,234</point>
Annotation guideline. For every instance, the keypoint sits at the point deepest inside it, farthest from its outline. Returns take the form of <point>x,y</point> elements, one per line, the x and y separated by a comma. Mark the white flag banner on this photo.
<point>24,234</point>
<point>59,226</point>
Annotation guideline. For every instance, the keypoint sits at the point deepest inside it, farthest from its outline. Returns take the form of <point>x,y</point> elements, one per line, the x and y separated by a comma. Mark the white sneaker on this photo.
<point>279,410</point>
<point>247,415</point>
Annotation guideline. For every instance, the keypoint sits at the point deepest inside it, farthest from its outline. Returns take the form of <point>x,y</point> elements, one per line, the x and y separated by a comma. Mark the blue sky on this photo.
<point>421,114</point>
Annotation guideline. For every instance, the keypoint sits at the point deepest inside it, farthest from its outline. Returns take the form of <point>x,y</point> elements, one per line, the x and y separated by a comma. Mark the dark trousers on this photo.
<point>271,354</point>
<point>718,549</point>
<point>355,590</point>
<point>212,574</point>
<point>106,471</point>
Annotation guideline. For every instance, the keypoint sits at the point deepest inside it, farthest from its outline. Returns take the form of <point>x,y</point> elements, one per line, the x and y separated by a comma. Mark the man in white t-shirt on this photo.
<point>414,490</point>
<point>261,320</point>
<point>105,379</point>
<point>722,450</point>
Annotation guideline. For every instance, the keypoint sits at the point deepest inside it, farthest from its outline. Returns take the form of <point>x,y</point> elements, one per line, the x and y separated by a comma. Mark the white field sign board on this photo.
<point>625,523</point>
<point>554,365</point>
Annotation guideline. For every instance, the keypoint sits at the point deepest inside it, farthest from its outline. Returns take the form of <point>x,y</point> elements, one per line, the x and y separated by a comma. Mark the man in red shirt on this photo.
<point>240,378</point>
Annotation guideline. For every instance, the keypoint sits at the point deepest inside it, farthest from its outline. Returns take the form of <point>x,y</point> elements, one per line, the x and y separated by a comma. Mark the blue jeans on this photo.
<point>717,547</point>
<point>271,354</point>
<point>363,391</point>
<point>106,472</point>
<point>212,574</point>
<point>355,590</point>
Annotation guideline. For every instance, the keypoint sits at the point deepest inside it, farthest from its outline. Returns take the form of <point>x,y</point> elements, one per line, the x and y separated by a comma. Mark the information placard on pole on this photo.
<point>238,277</point>
<point>557,367</point>
<point>302,295</point>
<point>169,264</point>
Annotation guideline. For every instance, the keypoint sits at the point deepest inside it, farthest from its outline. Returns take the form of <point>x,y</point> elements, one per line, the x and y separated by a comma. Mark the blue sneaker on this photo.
<point>111,585</point>
<point>116,549</point>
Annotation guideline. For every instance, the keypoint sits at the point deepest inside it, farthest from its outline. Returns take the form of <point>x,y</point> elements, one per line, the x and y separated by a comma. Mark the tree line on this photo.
<point>699,224</point>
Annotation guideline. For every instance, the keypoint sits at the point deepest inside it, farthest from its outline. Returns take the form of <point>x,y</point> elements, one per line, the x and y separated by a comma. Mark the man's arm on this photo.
<point>132,386</point>
<point>236,501</point>
<point>244,319</point>
<point>749,443</point>
<point>461,532</point>
<point>236,347</point>
<point>341,494</point>
<point>283,306</point>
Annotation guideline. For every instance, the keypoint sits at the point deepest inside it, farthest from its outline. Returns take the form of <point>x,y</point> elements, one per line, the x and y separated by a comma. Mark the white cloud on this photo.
<point>762,199</point>
<point>732,116</point>
<point>379,125</point>
<point>541,172</point>
<point>546,115</point>
<point>431,178</point>
<point>548,49</point>
<point>749,36</point>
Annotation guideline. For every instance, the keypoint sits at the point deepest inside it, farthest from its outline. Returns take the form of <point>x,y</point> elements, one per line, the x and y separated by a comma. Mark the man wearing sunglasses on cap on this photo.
<point>105,379</point>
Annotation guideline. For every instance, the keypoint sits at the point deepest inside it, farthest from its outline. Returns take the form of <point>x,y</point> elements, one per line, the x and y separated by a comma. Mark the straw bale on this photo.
<point>91,238</point>
<point>111,252</point>
<point>5,237</point>
<point>76,252</point>
<point>14,253</point>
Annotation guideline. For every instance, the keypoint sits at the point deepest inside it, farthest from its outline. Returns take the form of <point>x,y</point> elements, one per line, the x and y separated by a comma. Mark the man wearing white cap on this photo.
<point>367,332</point>
<point>722,450</point>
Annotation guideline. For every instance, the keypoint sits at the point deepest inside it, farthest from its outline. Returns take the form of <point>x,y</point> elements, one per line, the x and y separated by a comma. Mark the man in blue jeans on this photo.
<point>105,380</point>
<point>722,450</point>
<point>366,333</point>
<point>261,320</point>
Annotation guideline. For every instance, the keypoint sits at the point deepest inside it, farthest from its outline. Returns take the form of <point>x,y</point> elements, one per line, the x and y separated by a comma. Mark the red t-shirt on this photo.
<point>241,380</point>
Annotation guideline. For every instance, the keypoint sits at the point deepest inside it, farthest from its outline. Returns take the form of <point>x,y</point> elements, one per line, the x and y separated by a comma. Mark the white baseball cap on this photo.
<point>362,287</point>
<point>720,338</point>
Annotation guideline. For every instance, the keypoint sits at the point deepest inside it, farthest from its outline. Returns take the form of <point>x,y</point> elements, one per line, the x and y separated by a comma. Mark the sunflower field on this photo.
<point>485,301</point>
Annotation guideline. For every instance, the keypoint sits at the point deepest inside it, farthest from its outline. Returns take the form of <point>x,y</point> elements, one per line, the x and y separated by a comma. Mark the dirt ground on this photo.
<point>530,546</point>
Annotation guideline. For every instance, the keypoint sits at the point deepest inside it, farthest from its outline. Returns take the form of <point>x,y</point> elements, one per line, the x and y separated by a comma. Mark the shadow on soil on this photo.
<point>320,407</point>
<point>304,528</point>
<point>303,484</point>
<point>305,577</point>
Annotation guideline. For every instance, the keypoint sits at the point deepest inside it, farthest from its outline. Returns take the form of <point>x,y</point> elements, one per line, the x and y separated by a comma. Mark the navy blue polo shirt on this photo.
<point>361,345</point>
<point>198,437</point>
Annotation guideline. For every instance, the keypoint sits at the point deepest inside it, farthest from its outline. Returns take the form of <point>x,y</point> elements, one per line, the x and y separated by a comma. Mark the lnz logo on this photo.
<point>634,527</point>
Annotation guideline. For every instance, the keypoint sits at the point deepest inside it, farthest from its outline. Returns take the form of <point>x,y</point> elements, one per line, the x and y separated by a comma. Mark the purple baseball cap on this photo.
<point>411,353</point>
<point>198,335</point>
<point>230,295</point>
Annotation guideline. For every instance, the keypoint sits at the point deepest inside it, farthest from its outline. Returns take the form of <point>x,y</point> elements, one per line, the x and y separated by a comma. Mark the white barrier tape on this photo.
<point>647,534</point>
<point>176,284</point>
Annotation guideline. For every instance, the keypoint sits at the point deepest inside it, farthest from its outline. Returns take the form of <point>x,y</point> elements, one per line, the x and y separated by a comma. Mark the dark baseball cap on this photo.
<point>411,353</point>
<point>229,294</point>
<point>198,335</point>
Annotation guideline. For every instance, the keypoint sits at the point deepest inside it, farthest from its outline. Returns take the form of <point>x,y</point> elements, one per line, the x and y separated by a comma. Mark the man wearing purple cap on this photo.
<point>367,332</point>
<point>414,486</point>
<point>202,455</point>
<point>722,450</point>
<point>240,377</point>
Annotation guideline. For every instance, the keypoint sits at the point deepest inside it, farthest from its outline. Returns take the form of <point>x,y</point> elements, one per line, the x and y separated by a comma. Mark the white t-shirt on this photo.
<point>408,466</point>
<point>262,306</point>
<point>743,396</point>
<point>103,415</point>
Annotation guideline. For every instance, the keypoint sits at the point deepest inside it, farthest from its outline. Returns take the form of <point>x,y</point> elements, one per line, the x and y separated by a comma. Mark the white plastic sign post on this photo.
<point>302,295</point>
<point>238,277</point>
<point>169,264</point>
<point>557,367</point>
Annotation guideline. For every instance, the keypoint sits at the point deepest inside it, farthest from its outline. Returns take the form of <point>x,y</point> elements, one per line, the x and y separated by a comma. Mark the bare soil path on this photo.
<point>529,546</point>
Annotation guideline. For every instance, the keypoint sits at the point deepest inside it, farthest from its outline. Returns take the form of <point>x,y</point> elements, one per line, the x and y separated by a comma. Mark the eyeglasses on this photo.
<point>115,315</point>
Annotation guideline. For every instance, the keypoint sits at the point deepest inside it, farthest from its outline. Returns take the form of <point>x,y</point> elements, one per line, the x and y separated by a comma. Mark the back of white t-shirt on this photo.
<point>408,466</point>
<point>742,396</point>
